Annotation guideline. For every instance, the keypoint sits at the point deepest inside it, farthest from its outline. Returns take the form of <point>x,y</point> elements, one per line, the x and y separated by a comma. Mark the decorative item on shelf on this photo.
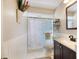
<point>23,5</point>
<point>56,23</point>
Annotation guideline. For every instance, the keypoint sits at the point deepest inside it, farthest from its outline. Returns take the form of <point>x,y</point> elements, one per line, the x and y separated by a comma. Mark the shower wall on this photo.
<point>37,27</point>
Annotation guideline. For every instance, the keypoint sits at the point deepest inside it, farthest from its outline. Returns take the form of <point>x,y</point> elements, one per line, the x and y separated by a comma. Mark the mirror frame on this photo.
<point>67,18</point>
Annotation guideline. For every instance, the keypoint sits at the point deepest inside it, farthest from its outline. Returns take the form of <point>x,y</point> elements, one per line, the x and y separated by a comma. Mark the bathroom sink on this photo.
<point>71,44</point>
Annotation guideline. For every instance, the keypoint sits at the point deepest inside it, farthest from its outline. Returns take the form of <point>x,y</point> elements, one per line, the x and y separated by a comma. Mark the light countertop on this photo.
<point>70,44</point>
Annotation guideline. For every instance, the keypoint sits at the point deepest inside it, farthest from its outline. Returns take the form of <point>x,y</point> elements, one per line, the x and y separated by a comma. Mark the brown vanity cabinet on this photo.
<point>62,52</point>
<point>57,50</point>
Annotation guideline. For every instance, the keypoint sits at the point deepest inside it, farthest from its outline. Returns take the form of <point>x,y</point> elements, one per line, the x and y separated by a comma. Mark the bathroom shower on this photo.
<point>37,29</point>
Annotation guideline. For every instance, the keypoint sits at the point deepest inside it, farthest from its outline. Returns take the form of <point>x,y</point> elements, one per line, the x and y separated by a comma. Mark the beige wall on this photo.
<point>40,10</point>
<point>11,29</point>
<point>60,13</point>
<point>14,35</point>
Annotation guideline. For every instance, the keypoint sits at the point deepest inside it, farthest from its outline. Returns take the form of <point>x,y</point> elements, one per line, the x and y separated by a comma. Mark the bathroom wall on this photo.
<point>13,39</point>
<point>60,13</point>
<point>11,28</point>
<point>38,12</point>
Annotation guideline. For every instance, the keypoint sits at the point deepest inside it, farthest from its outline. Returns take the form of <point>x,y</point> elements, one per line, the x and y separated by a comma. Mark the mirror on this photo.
<point>71,16</point>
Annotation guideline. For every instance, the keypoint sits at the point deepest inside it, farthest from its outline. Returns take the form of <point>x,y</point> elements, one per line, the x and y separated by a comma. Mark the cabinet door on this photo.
<point>57,50</point>
<point>68,54</point>
<point>72,54</point>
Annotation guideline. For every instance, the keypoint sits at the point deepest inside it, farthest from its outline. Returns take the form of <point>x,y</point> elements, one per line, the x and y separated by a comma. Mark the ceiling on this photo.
<point>50,4</point>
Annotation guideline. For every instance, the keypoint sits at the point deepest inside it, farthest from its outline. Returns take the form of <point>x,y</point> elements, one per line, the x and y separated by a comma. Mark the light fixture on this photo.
<point>66,1</point>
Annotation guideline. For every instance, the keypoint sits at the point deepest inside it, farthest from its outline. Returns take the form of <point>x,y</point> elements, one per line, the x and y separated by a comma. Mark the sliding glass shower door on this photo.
<point>37,27</point>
